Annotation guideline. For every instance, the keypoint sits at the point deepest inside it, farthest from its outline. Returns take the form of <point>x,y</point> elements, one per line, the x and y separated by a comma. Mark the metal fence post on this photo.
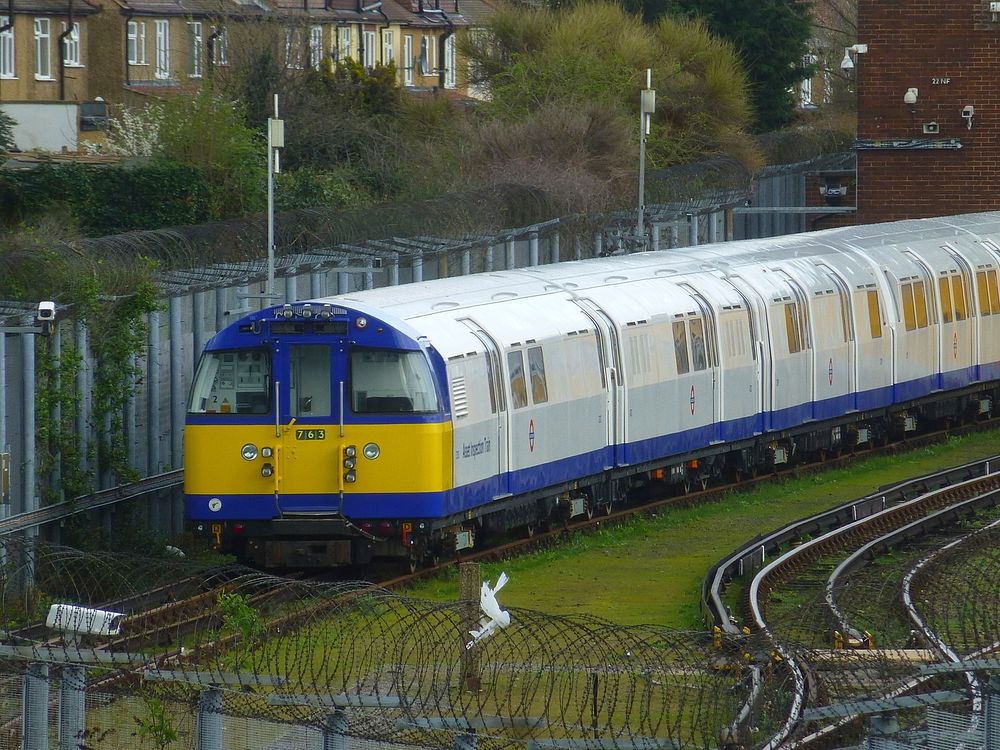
<point>489,257</point>
<point>993,715</point>
<point>35,708</point>
<point>335,731</point>
<point>554,247</point>
<point>533,249</point>
<point>693,230</point>
<point>511,255</point>
<point>654,231</point>
<point>417,263</point>
<point>316,284</point>
<point>83,394</point>
<point>291,286</point>
<point>343,282</point>
<point>72,707</point>
<point>210,719</point>
<point>176,384</point>
<point>29,493</point>
<point>153,465</point>
<point>598,244</point>
<point>466,262</point>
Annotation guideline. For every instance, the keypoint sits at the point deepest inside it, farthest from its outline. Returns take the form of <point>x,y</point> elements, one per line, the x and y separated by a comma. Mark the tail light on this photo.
<point>237,528</point>
<point>384,528</point>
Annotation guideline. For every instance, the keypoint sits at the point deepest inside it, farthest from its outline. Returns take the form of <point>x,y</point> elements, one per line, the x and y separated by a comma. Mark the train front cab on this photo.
<point>315,442</point>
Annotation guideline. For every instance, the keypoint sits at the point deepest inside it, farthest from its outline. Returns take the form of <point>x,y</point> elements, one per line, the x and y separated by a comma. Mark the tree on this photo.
<point>772,39</point>
<point>589,61</point>
<point>6,131</point>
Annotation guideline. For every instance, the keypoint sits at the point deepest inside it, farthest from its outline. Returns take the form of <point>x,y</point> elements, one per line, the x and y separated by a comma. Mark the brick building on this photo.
<point>928,108</point>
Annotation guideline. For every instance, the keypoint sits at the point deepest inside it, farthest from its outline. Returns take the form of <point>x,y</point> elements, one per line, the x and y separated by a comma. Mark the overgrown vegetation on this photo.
<point>6,131</point>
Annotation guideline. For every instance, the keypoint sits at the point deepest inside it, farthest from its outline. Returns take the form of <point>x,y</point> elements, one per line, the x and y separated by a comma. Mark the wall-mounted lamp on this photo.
<point>910,97</point>
<point>967,113</point>
<point>858,49</point>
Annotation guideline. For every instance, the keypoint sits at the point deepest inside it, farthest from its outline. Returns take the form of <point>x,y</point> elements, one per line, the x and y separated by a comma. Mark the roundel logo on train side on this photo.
<point>531,435</point>
<point>954,344</point>
<point>829,371</point>
<point>692,400</point>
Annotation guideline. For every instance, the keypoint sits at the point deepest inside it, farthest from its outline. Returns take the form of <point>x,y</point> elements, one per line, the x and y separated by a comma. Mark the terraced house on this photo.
<point>45,66</point>
<point>84,54</point>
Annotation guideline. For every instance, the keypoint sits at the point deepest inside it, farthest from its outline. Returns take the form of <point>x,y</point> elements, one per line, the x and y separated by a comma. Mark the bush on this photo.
<point>6,131</point>
<point>106,200</point>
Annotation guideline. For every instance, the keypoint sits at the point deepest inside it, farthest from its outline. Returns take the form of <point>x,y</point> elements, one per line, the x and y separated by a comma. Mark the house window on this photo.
<point>293,48</point>
<point>344,43</point>
<point>425,57</point>
<point>387,55</point>
<point>43,49</point>
<point>408,60</point>
<point>194,49</point>
<point>71,46</point>
<point>316,46</point>
<point>369,61</point>
<point>6,49</point>
<point>449,62</point>
<point>220,46</point>
<point>137,42</point>
<point>162,50</point>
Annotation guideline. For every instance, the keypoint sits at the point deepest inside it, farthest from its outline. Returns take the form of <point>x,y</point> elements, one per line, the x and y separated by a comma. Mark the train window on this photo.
<point>874,315</point>
<point>232,382</point>
<point>389,381</point>
<point>310,389</point>
<point>945,289</point>
<point>518,389</point>
<point>698,355</point>
<point>536,373</point>
<point>994,298</point>
<point>984,293</point>
<point>909,317</point>
<point>681,348</point>
<point>958,297</point>
<point>920,303</point>
<point>792,328</point>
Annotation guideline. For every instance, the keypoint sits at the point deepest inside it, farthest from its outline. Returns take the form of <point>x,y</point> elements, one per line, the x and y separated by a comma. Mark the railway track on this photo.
<point>875,532</point>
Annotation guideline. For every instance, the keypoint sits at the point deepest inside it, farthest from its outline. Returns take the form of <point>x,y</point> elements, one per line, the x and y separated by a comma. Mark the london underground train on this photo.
<point>405,422</point>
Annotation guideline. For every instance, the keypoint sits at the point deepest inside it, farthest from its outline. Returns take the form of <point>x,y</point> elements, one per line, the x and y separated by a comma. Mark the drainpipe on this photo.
<point>381,31</point>
<point>210,49</point>
<point>442,61</point>
<point>62,53</point>
<point>128,75</point>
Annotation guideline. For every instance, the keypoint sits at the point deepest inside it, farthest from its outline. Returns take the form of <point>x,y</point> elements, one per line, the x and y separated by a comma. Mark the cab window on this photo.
<point>232,382</point>
<point>388,381</point>
<point>310,381</point>
<point>518,386</point>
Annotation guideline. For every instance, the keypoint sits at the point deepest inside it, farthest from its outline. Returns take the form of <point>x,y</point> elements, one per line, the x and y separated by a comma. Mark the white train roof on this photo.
<point>520,305</point>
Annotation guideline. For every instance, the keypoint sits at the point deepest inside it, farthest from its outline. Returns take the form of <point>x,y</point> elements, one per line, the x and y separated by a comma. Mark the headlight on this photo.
<point>371,451</point>
<point>350,451</point>
<point>350,477</point>
<point>349,463</point>
<point>249,451</point>
<point>266,470</point>
<point>266,452</point>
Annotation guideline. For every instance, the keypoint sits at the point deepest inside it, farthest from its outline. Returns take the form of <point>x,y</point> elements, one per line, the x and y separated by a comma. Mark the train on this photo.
<point>409,422</point>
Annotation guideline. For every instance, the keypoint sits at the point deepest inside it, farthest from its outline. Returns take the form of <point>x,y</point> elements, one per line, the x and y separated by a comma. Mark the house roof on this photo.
<point>53,7</point>
<point>477,12</point>
<point>425,14</point>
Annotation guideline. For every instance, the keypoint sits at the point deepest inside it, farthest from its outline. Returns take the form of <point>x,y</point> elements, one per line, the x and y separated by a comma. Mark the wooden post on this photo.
<point>469,586</point>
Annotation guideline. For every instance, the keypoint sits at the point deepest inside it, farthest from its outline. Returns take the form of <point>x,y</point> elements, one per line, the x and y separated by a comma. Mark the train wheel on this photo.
<point>529,530</point>
<point>589,511</point>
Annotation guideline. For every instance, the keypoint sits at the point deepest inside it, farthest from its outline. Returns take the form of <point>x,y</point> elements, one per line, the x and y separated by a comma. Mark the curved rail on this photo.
<point>986,493</point>
<point>753,554</point>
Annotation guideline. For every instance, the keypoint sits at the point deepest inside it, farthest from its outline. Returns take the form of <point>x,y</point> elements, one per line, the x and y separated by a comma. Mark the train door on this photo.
<point>307,461</point>
<point>930,356</point>
<point>760,336</point>
<point>498,392</point>
<point>607,341</point>
<point>960,343</point>
<point>845,370</point>
<point>714,373</point>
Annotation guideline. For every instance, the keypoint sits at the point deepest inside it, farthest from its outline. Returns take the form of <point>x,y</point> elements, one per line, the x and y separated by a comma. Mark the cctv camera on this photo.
<point>968,110</point>
<point>69,618</point>
<point>46,310</point>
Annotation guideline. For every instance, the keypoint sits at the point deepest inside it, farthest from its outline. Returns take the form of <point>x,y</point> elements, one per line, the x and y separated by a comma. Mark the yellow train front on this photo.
<point>318,435</point>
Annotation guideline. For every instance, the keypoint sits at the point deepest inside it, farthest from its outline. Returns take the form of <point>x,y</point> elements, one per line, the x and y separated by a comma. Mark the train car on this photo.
<point>406,422</point>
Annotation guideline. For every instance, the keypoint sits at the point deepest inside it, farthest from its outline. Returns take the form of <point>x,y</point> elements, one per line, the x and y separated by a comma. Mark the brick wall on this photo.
<point>949,50</point>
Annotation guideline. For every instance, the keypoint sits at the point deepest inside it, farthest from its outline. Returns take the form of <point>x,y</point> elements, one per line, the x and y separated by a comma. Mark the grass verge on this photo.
<point>650,570</point>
